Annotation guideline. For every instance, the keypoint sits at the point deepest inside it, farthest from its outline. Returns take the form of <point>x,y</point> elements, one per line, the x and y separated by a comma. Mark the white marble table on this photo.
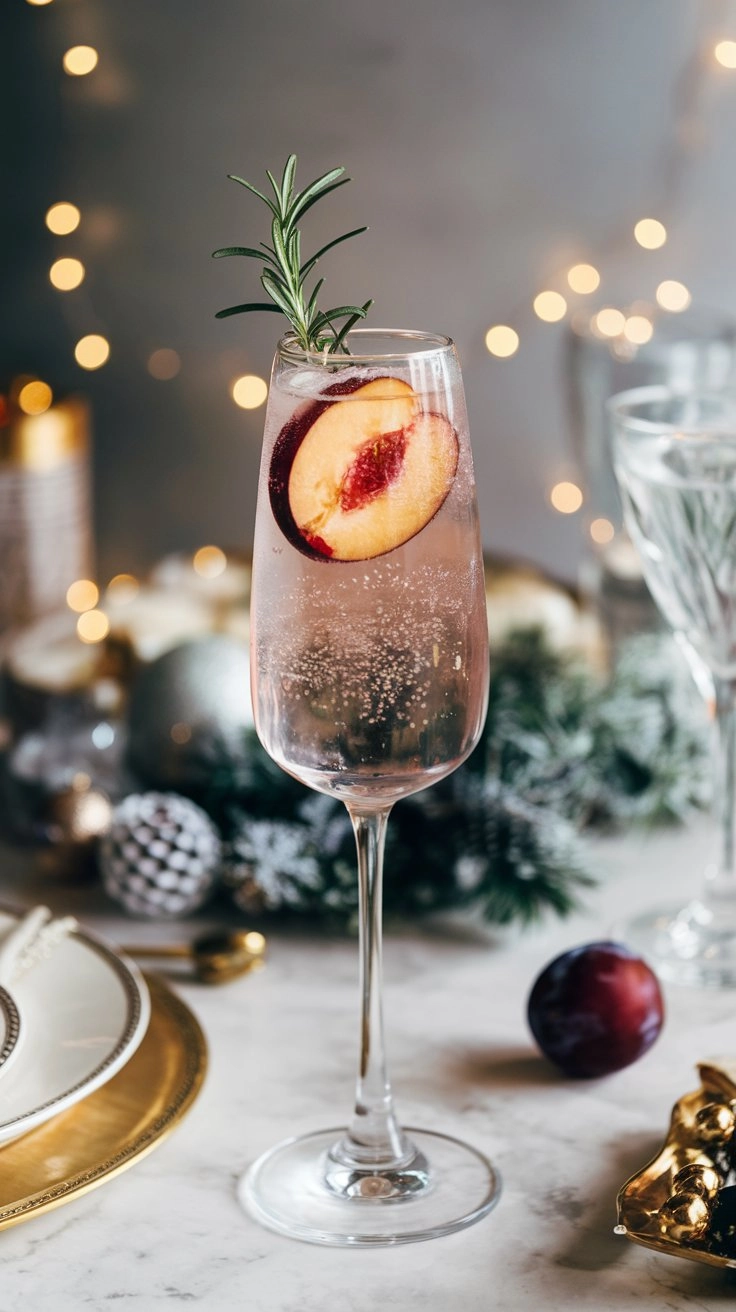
<point>169,1232</point>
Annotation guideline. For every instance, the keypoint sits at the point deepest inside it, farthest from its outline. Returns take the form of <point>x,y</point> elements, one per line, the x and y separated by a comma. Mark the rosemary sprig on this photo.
<point>284,276</point>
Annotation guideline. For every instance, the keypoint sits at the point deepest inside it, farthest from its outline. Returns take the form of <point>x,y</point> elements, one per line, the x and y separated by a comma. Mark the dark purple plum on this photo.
<point>595,1009</point>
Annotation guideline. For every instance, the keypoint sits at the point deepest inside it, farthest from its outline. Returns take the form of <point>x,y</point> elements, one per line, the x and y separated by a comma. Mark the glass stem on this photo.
<point>722,884</point>
<point>374,1137</point>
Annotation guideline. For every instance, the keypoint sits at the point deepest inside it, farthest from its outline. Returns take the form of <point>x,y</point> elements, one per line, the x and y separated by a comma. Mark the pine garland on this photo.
<point>561,751</point>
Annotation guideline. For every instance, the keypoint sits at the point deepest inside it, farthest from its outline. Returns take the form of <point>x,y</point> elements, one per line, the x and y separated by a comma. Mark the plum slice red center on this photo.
<point>376,466</point>
<point>357,476</point>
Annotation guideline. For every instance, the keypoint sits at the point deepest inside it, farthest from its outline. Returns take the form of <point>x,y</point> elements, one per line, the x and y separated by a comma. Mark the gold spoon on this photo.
<point>217,957</point>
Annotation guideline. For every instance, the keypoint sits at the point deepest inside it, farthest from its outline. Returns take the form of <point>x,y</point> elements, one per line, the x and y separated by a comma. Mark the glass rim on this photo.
<point>436,344</point>
<point>622,409</point>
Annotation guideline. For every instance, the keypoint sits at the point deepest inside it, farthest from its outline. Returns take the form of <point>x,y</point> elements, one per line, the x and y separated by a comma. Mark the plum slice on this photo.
<point>357,476</point>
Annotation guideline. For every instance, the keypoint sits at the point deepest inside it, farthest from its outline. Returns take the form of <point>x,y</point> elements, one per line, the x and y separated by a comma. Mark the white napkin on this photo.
<point>30,941</point>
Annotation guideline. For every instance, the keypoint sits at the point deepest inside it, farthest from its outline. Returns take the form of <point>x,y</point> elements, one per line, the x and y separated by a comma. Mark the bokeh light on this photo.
<point>502,341</point>
<point>583,279</point>
<point>249,391</point>
<point>63,218</point>
<point>566,497</point>
<point>80,60</point>
<point>35,397</point>
<point>164,364</point>
<point>673,296</point>
<point>609,322</point>
<point>550,306</point>
<point>725,53</point>
<point>650,233</point>
<point>66,274</point>
<point>82,595</point>
<point>638,329</point>
<point>602,531</point>
<point>209,562</point>
<point>93,626</point>
<point>92,351</point>
<point>180,732</point>
<point>123,588</point>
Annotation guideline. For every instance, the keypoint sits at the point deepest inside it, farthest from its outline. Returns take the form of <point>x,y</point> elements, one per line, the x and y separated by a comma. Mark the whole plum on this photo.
<point>595,1009</point>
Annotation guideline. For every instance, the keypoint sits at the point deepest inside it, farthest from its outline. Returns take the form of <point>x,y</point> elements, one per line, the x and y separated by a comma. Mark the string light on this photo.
<point>725,53</point>
<point>35,397</point>
<point>92,351</point>
<point>638,329</point>
<point>609,322</point>
<point>650,233</point>
<point>164,364</point>
<point>83,595</point>
<point>602,531</point>
<point>249,391</point>
<point>209,562</point>
<point>80,60</point>
<point>583,279</point>
<point>502,341</point>
<point>93,626</point>
<point>566,497</point>
<point>550,306</point>
<point>62,218</point>
<point>673,296</point>
<point>66,274</point>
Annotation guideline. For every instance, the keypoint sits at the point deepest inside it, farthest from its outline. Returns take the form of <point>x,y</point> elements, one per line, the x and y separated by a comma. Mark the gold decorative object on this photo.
<point>697,1179</point>
<point>669,1204</point>
<point>78,816</point>
<point>684,1217</point>
<point>114,1127</point>
<point>715,1122</point>
<point>216,957</point>
<point>80,813</point>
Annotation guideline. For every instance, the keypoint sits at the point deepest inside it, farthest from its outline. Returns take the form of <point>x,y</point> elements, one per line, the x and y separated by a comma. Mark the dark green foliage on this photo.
<point>561,750</point>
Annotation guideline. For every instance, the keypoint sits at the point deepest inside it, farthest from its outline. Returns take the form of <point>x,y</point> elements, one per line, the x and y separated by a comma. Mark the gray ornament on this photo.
<point>190,709</point>
<point>161,855</point>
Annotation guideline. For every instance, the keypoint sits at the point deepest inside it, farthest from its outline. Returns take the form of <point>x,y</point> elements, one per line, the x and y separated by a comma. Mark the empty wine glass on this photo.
<point>370,677</point>
<point>675,459</point>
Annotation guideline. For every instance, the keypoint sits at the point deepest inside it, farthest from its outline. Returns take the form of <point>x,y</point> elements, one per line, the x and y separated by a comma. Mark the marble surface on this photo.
<point>283,1048</point>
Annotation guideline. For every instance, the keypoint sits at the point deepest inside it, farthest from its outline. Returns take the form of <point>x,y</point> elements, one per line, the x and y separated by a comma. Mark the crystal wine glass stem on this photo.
<point>374,1137</point>
<point>723,883</point>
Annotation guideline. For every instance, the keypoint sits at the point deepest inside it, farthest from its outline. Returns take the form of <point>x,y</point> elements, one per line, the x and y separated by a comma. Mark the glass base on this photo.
<point>687,945</point>
<point>446,1186</point>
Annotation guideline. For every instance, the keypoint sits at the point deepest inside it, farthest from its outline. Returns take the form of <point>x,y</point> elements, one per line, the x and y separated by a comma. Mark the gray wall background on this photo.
<point>491,143</point>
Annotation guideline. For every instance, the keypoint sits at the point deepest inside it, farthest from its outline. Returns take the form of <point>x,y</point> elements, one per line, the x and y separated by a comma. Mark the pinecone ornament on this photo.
<point>161,855</point>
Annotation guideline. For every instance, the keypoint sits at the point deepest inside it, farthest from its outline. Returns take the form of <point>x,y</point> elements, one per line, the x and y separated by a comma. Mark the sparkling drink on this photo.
<point>369,660</point>
<point>370,675</point>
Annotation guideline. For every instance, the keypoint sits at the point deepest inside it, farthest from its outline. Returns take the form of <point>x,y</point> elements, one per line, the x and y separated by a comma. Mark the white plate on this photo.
<point>11,1029</point>
<point>84,1010</point>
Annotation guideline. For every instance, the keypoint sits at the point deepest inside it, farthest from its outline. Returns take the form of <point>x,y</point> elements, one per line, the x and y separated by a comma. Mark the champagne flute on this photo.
<point>675,459</point>
<point>369,663</point>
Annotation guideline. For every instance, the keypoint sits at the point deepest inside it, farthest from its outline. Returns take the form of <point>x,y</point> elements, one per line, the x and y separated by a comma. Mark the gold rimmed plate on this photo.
<point>114,1127</point>
<point>642,1197</point>
<point>84,1011</point>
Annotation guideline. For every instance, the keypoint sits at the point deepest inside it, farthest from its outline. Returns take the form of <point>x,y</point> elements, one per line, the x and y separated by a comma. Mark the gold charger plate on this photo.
<point>114,1127</point>
<point>642,1196</point>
